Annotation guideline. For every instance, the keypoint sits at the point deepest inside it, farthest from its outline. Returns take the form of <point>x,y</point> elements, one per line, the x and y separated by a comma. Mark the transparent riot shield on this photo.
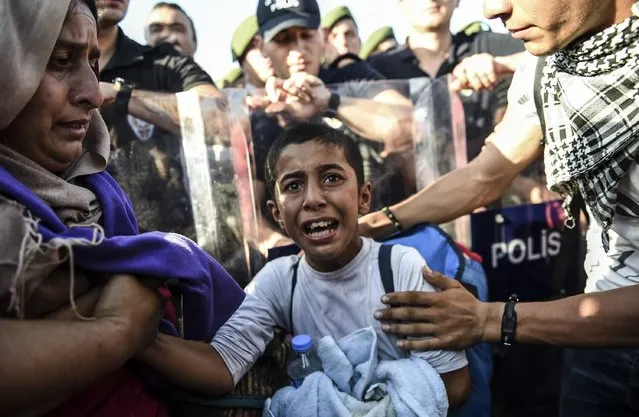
<point>526,247</point>
<point>218,161</point>
<point>409,133</point>
<point>195,179</point>
<point>440,139</point>
<point>206,179</point>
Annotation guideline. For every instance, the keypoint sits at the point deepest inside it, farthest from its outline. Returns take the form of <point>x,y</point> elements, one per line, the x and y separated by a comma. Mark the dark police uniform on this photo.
<point>145,159</point>
<point>401,63</point>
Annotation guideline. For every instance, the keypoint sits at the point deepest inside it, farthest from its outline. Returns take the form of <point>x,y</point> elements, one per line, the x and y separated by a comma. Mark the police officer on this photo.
<point>342,35</point>
<point>246,50</point>
<point>382,40</point>
<point>140,108</point>
<point>431,51</point>
<point>168,22</point>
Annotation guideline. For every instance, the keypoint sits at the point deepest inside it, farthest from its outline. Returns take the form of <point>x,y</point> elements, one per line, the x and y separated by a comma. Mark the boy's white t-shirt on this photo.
<point>334,303</point>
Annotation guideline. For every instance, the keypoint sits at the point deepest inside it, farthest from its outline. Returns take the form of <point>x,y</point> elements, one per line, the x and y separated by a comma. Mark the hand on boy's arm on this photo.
<point>452,318</point>
<point>191,365</point>
<point>451,364</point>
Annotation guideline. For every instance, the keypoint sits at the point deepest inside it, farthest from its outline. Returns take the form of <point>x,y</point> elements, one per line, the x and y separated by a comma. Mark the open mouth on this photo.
<point>319,229</point>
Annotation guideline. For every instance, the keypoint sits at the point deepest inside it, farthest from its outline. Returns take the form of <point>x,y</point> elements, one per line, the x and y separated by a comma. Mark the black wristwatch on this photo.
<point>509,321</point>
<point>124,89</point>
<point>333,104</point>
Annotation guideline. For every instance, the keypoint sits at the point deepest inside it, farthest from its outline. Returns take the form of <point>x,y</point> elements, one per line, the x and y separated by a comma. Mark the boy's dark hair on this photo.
<point>177,8</point>
<point>318,132</point>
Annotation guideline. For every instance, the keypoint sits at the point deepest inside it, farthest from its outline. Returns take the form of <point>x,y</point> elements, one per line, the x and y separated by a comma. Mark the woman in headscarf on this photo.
<point>73,307</point>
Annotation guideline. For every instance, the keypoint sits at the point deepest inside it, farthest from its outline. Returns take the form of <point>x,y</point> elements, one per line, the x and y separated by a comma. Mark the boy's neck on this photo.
<point>332,265</point>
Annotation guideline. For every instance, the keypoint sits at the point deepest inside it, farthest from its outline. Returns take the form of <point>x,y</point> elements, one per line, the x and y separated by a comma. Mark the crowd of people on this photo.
<point>105,298</point>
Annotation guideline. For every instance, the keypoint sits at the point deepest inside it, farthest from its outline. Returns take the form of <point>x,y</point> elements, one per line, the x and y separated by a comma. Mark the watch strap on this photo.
<point>391,216</point>
<point>333,105</point>
<point>121,105</point>
<point>509,321</point>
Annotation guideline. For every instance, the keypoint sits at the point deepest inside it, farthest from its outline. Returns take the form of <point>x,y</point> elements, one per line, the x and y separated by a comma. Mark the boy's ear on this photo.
<point>275,212</point>
<point>365,196</point>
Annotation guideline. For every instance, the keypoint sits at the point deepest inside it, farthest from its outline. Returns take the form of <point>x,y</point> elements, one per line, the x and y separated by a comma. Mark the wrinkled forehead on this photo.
<point>79,8</point>
<point>80,25</point>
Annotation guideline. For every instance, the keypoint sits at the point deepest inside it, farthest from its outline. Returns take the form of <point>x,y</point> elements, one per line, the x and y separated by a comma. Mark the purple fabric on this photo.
<point>210,293</point>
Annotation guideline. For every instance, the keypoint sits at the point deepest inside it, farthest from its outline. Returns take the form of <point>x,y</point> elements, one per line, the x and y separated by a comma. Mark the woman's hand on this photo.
<point>451,319</point>
<point>134,307</point>
<point>85,305</point>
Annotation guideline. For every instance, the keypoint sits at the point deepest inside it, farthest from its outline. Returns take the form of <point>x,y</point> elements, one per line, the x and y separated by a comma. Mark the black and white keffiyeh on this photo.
<point>590,93</point>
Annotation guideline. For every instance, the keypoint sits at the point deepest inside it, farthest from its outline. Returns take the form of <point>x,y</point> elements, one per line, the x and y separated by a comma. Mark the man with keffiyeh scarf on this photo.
<point>583,118</point>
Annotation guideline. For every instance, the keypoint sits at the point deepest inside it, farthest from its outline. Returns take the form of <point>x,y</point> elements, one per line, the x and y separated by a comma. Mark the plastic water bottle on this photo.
<point>305,361</point>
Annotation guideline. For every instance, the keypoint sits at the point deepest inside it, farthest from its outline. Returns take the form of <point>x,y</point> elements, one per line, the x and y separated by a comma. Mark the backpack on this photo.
<point>443,255</point>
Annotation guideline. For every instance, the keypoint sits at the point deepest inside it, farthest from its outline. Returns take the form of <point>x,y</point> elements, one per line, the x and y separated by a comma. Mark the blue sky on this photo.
<point>215,21</point>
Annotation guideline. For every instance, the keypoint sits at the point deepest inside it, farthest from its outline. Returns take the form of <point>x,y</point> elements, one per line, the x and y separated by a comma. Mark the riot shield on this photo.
<point>218,161</point>
<point>196,180</point>
<point>207,180</point>
<point>409,133</point>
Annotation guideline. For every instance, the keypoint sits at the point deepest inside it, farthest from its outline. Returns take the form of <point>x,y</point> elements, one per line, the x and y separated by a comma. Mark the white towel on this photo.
<point>354,383</point>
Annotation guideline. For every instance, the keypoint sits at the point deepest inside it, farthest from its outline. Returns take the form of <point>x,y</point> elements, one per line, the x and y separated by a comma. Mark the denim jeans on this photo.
<point>600,382</point>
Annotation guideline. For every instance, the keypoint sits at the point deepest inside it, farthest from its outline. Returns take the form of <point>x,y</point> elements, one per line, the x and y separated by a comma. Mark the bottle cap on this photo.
<point>302,343</point>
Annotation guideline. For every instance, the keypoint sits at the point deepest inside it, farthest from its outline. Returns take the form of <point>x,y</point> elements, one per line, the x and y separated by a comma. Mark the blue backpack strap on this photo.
<point>385,268</point>
<point>293,284</point>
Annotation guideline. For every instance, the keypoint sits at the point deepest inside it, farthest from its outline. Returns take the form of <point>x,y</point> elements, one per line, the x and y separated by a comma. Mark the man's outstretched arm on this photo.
<point>508,151</point>
<point>158,108</point>
<point>456,319</point>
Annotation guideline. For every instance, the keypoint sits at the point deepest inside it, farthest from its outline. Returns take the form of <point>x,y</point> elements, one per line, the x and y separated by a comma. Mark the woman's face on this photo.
<point>52,126</point>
